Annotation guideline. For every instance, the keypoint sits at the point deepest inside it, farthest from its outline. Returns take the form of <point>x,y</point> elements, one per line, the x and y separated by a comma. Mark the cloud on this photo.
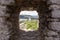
<point>29,13</point>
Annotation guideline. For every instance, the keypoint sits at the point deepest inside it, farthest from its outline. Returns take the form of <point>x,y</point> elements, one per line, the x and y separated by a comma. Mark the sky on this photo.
<point>33,13</point>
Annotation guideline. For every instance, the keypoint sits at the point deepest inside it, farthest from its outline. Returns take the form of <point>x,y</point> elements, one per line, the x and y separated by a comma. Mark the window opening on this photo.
<point>28,20</point>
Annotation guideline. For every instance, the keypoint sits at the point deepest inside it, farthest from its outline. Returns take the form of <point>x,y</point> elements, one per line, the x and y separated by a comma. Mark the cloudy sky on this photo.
<point>33,13</point>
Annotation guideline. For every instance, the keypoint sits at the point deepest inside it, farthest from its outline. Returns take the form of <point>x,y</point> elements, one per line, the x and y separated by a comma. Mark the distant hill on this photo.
<point>27,16</point>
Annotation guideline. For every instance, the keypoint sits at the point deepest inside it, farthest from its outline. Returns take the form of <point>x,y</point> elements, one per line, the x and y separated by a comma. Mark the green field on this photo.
<point>32,24</point>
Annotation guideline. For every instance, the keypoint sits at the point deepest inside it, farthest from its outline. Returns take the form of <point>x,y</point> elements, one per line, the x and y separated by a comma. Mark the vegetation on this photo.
<point>32,24</point>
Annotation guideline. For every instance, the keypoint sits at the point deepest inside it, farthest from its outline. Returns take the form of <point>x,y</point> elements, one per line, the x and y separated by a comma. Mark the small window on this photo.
<point>28,20</point>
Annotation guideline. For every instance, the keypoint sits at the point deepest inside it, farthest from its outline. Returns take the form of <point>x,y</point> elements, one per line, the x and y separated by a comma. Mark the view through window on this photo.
<point>28,20</point>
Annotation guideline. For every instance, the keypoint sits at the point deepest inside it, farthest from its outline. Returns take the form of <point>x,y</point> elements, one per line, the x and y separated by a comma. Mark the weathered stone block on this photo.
<point>51,33</point>
<point>55,25</point>
<point>4,34</point>
<point>2,10</point>
<point>52,38</point>
<point>56,13</point>
<point>55,1</point>
<point>6,2</point>
<point>2,20</point>
<point>55,7</point>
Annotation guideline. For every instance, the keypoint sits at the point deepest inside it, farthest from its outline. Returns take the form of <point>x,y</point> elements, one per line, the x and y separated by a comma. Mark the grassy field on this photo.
<point>31,25</point>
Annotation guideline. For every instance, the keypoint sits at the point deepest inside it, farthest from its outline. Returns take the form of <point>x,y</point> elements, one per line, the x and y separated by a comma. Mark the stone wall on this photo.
<point>4,24</point>
<point>49,20</point>
<point>54,22</point>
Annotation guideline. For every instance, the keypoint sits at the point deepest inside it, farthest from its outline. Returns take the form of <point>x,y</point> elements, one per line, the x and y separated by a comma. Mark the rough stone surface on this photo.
<point>48,30</point>
<point>54,24</point>
<point>56,13</point>
<point>4,28</point>
<point>6,2</point>
<point>55,1</point>
<point>31,35</point>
